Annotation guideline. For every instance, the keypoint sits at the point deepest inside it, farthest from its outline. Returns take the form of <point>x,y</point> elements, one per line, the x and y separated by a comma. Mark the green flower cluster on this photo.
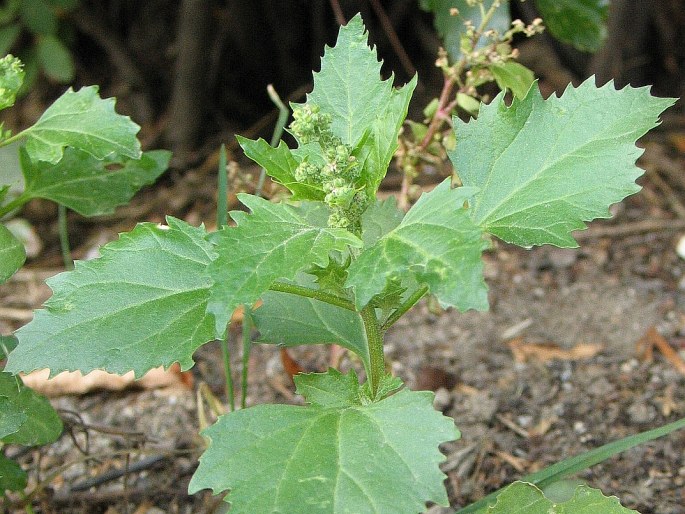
<point>338,174</point>
<point>11,78</point>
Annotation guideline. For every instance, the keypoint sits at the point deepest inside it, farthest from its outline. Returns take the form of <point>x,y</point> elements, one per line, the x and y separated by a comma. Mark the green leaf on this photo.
<point>12,417</point>
<point>274,242</point>
<point>544,167</point>
<point>367,112</point>
<point>38,17</point>
<point>380,218</point>
<point>139,306</point>
<point>377,150</point>
<point>31,71</point>
<point>331,389</point>
<point>84,121</point>
<point>12,477</point>
<point>514,76</point>
<point>386,386</point>
<point>11,171</point>
<point>41,423</point>
<point>8,36</point>
<point>66,5</point>
<point>11,78</point>
<point>55,59</point>
<point>9,11</point>
<point>468,103</point>
<point>86,185</point>
<point>581,23</point>
<point>348,86</point>
<point>12,254</point>
<point>316,459</point>
<point>563,490</point>
<point>331,279</point>
<point>525,498</point>
<point>291,320</point>
<point>7,344</point>
<point>451,28</point>
<point>280,164</point>
<point>436,244</point>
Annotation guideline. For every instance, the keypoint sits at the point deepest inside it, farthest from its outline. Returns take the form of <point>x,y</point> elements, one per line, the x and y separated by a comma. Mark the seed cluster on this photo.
<point>338,174</point>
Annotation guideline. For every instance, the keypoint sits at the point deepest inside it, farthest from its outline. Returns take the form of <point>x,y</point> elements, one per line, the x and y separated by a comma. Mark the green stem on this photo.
<point>226,355</point>
<point>283,113</point>
<point>222,186</point>
<point>485,19</point>
<point>402,309</point>
<point>14,204</point>
<point>15,137</point>
<point>283,287</point>
<point>64,236</point>
<point>221,221</point>
<point>247,347</point>
<point>374,338</point>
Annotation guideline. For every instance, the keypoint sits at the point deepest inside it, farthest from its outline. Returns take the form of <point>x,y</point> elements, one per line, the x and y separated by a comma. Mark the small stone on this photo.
<point>442,399</point>
<point>601,387</point>
<point>640,412</point>
<point>629,365</point>
<point>680,247</point>
<point>561,258</point>
<point>525,420</point>
<point>483,407</point>
<point>579,427</point>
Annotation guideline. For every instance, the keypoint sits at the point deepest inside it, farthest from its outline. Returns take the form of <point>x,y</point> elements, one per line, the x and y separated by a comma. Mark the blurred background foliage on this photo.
<point>194,72</point>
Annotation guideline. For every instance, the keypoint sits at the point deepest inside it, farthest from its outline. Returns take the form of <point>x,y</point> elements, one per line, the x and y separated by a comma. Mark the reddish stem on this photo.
<point>337,11</point>
<point>440,114</point>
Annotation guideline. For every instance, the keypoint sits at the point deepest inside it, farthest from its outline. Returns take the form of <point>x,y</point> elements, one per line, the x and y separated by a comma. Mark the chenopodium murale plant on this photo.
<point>335,265</point>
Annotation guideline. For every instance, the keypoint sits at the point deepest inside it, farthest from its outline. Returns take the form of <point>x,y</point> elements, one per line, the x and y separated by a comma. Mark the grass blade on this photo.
<point>567,467</point>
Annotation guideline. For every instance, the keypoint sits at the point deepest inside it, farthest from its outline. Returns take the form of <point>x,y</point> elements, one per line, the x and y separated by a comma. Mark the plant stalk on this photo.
<point>14,204</point>
<point>222,186</point>
<point>226,357</point>
<point>283,287</point>
<point>221,221</point>
<point>283,113</point>
<point>64,237</point>
<point>402,309</point>
<point>15,137</point>
<point>374,338</point>
<point>247,347</point>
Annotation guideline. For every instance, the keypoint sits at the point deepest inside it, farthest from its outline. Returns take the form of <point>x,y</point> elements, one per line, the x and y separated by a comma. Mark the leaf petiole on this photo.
<point>402,309</point>
<point>374,338</point>
<point>15,137</point>
<point>14,204</point>
<point>283,287</point>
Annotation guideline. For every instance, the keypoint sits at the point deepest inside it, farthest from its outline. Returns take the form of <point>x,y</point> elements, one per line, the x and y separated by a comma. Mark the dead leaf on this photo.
<point>545,352</point>
<point>518,463</point>
<point>677,139</point>
<point>668,403</point>
<point>652,339</point>
<point>432,378</point>
<point>290,365</point>
<point>74,382</point>
<point>542,427</point>
<point>239,313</point>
